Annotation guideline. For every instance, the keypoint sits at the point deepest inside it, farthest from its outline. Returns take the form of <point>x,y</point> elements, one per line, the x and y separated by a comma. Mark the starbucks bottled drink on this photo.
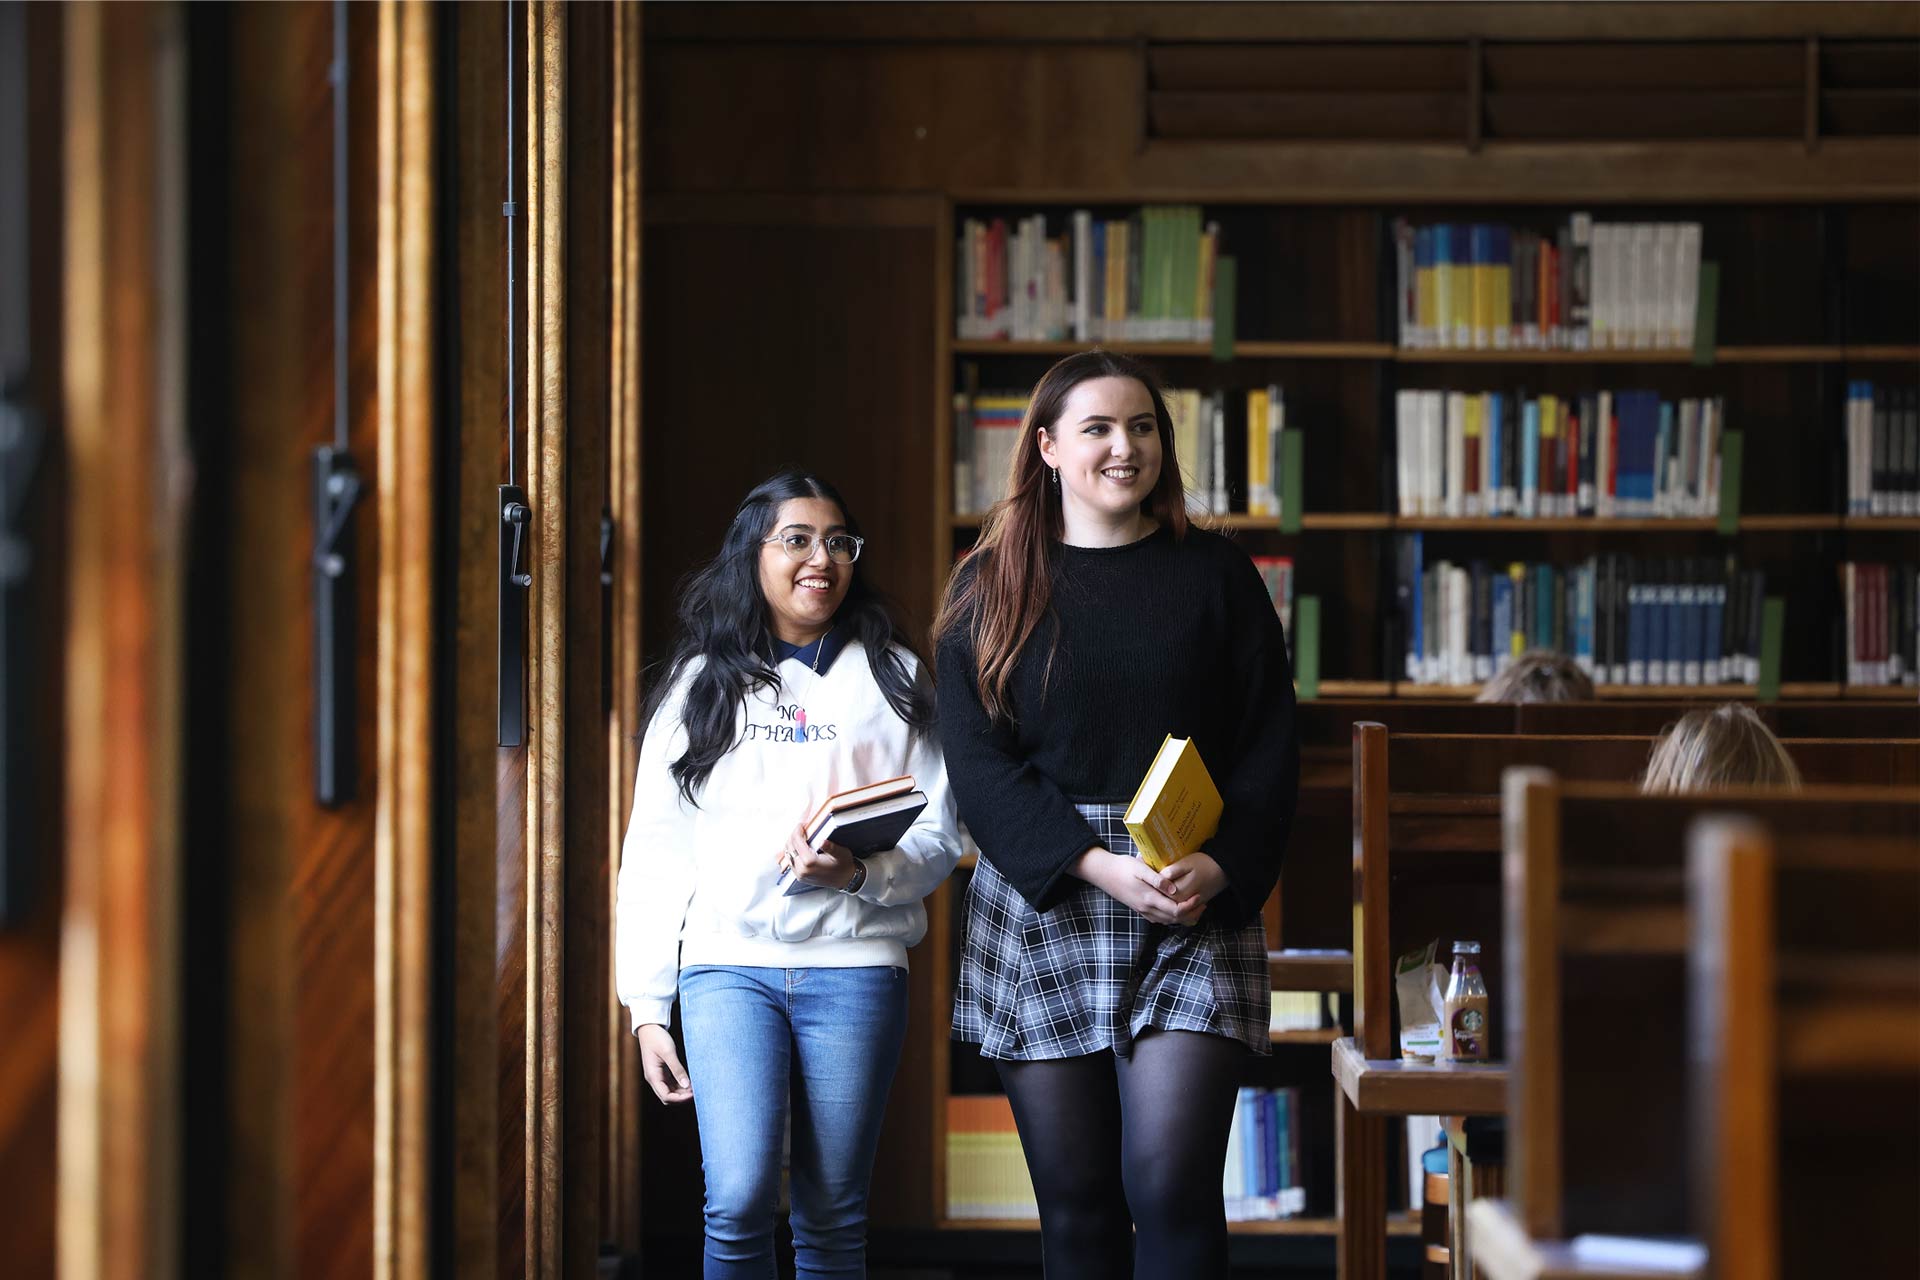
<point>1467,1029</point>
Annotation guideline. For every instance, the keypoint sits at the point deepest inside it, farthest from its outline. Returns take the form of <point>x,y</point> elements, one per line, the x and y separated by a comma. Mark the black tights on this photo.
<point>1127,1155</point>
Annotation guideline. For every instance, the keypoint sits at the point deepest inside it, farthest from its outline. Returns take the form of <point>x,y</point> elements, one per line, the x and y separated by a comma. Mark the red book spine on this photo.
<point>1572,445</point>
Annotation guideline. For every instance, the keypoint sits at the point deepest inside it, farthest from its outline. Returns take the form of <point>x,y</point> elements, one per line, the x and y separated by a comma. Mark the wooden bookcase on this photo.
<point>1810,296</point>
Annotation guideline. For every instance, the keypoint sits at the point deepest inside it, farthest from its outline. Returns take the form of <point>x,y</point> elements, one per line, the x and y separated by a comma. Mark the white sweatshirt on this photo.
<point>697,884</point>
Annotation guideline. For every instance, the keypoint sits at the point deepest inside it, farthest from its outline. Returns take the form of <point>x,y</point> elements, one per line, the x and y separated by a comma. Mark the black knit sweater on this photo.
<point>1156,637</point>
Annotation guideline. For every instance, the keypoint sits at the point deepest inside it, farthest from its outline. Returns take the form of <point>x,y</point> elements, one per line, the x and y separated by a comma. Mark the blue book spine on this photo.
<point>1249,1142</point>
<point>1671,638</point>
<point>1583,618</point>
<point>1649,445</point>
<point>1503,335</point>
<point>1257,1147</point>
<point>1542,607</point>
<point>1657,609</point>
<point>1283,1104</point>
<point>1270,1143</point>
<point>1502,619</point>
<point>1693,621</point>
<point>1662,443</point>
<point>1710,670</point>
<point>1637,633</point>
<point>1530,458</point>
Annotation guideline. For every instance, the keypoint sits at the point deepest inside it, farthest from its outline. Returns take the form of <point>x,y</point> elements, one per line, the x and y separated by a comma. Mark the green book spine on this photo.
<point>1773,624</point>
<point>1223,297</point>
<point>1732,450</point>
<point>1306,647</point>
<point>1292,447</point>
<point>1151,253</point>
<point>1706,315</point>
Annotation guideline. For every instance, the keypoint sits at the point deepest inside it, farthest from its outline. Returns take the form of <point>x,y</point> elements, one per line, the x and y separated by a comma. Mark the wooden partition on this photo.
<point>1598,929</point>
<point>1427,831</point>
<point>1804,1048</point>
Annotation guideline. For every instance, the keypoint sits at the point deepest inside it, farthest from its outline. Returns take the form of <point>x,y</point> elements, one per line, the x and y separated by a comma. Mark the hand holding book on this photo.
<point>828,867</point>
<point>823,851</point>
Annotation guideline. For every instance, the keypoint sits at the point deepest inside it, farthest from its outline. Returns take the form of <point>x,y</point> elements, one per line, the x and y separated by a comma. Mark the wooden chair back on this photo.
<point>1595,997</point>
<point>1805,1085</point>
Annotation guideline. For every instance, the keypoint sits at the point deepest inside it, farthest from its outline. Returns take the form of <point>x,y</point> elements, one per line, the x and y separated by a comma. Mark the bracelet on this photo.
<point>859,878</point>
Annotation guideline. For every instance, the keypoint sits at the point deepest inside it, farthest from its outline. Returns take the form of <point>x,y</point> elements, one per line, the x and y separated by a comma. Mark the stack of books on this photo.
<point>1626,621</point>
<point>1146,277</point>
<point>1262,1175</point>
<point>1227,465</point>
<point>1883,450</point>
<point>1605,454</point>
<point>986,1169</point>
<point>1882,605</point>
<point>1299,1011</point>
<point>1585,285</point>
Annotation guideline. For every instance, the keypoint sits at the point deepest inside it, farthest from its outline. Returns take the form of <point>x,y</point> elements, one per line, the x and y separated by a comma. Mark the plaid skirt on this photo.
<point>1089,974</point>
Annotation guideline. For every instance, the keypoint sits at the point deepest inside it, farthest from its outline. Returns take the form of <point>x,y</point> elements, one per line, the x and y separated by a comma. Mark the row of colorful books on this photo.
<point>1626,621</point>
<point>987,1175</point>
<point>1299,1011</point>
<point>1147,277</point>
<point>1208,432</point>
<point>1209,429</point>
<point>1262,1178</point>
<point>1585,286</point>
<point>986,1169</point>
<point>1606,454</point>
<point>1882,604</point>
<point>1277,573</point>
<point>1883,450</point>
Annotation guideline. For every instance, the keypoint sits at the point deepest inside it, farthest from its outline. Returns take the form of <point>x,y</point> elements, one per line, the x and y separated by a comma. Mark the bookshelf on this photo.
<point>1314,312</point>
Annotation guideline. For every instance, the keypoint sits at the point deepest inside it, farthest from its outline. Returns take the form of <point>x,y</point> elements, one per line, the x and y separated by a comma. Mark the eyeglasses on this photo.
<point>842,548</point>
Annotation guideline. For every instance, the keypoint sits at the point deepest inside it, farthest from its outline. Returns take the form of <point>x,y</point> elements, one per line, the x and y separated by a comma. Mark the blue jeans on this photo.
<point>828,1038</point>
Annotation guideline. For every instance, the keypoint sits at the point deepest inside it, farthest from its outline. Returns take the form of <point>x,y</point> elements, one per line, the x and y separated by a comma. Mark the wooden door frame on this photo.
<point>124,417</point>
<point>403,824</point>
<point>623,1087</point>
<point>546,391</point>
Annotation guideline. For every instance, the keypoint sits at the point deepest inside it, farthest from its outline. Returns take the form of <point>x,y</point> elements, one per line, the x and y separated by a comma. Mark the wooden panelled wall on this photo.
<point>798,159</point>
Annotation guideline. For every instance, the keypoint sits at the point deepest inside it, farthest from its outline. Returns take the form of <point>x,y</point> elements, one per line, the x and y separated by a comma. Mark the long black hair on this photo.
<point>723,625</point>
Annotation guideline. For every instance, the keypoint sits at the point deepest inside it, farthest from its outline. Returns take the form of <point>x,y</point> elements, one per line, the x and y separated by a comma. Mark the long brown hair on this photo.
<point>1002,600</point>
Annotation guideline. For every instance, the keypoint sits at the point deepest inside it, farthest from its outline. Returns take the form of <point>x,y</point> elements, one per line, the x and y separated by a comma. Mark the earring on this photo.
<point>1056,476</point>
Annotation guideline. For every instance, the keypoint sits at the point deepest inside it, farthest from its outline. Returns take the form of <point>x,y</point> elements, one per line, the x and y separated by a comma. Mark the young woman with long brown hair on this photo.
<point>1118,1004</point>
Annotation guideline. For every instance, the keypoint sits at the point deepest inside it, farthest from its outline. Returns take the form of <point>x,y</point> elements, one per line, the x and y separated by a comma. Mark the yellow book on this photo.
<point>1259,452</point>
<point>1177,808</point>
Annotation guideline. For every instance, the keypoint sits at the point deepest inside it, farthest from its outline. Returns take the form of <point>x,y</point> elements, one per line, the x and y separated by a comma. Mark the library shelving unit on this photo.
<point>1810,297</point>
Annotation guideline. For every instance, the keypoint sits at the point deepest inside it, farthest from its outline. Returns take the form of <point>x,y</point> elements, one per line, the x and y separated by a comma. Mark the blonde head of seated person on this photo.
<point>1725,746</point>
<point>1539,675</point>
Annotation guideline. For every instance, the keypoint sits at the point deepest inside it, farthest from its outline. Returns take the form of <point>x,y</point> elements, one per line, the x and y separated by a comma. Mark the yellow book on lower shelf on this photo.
<point>1177,808</point>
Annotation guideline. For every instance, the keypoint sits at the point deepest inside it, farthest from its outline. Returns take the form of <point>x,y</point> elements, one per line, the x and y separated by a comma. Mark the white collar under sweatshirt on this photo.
<point>697,885</point>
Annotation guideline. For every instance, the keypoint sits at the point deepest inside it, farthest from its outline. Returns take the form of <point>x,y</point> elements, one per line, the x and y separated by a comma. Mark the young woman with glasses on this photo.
<point>1118,1004</point>
<point>789,681</point>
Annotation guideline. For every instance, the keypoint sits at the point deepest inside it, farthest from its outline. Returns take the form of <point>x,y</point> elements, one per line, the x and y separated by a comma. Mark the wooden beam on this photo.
<point>624,724</point>
<point>1731,987</point>
<point>123,416</point>
<point>546,392</point>
<point>1373,20</point>
<point>403,824</point>
<point>1532,901</point>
